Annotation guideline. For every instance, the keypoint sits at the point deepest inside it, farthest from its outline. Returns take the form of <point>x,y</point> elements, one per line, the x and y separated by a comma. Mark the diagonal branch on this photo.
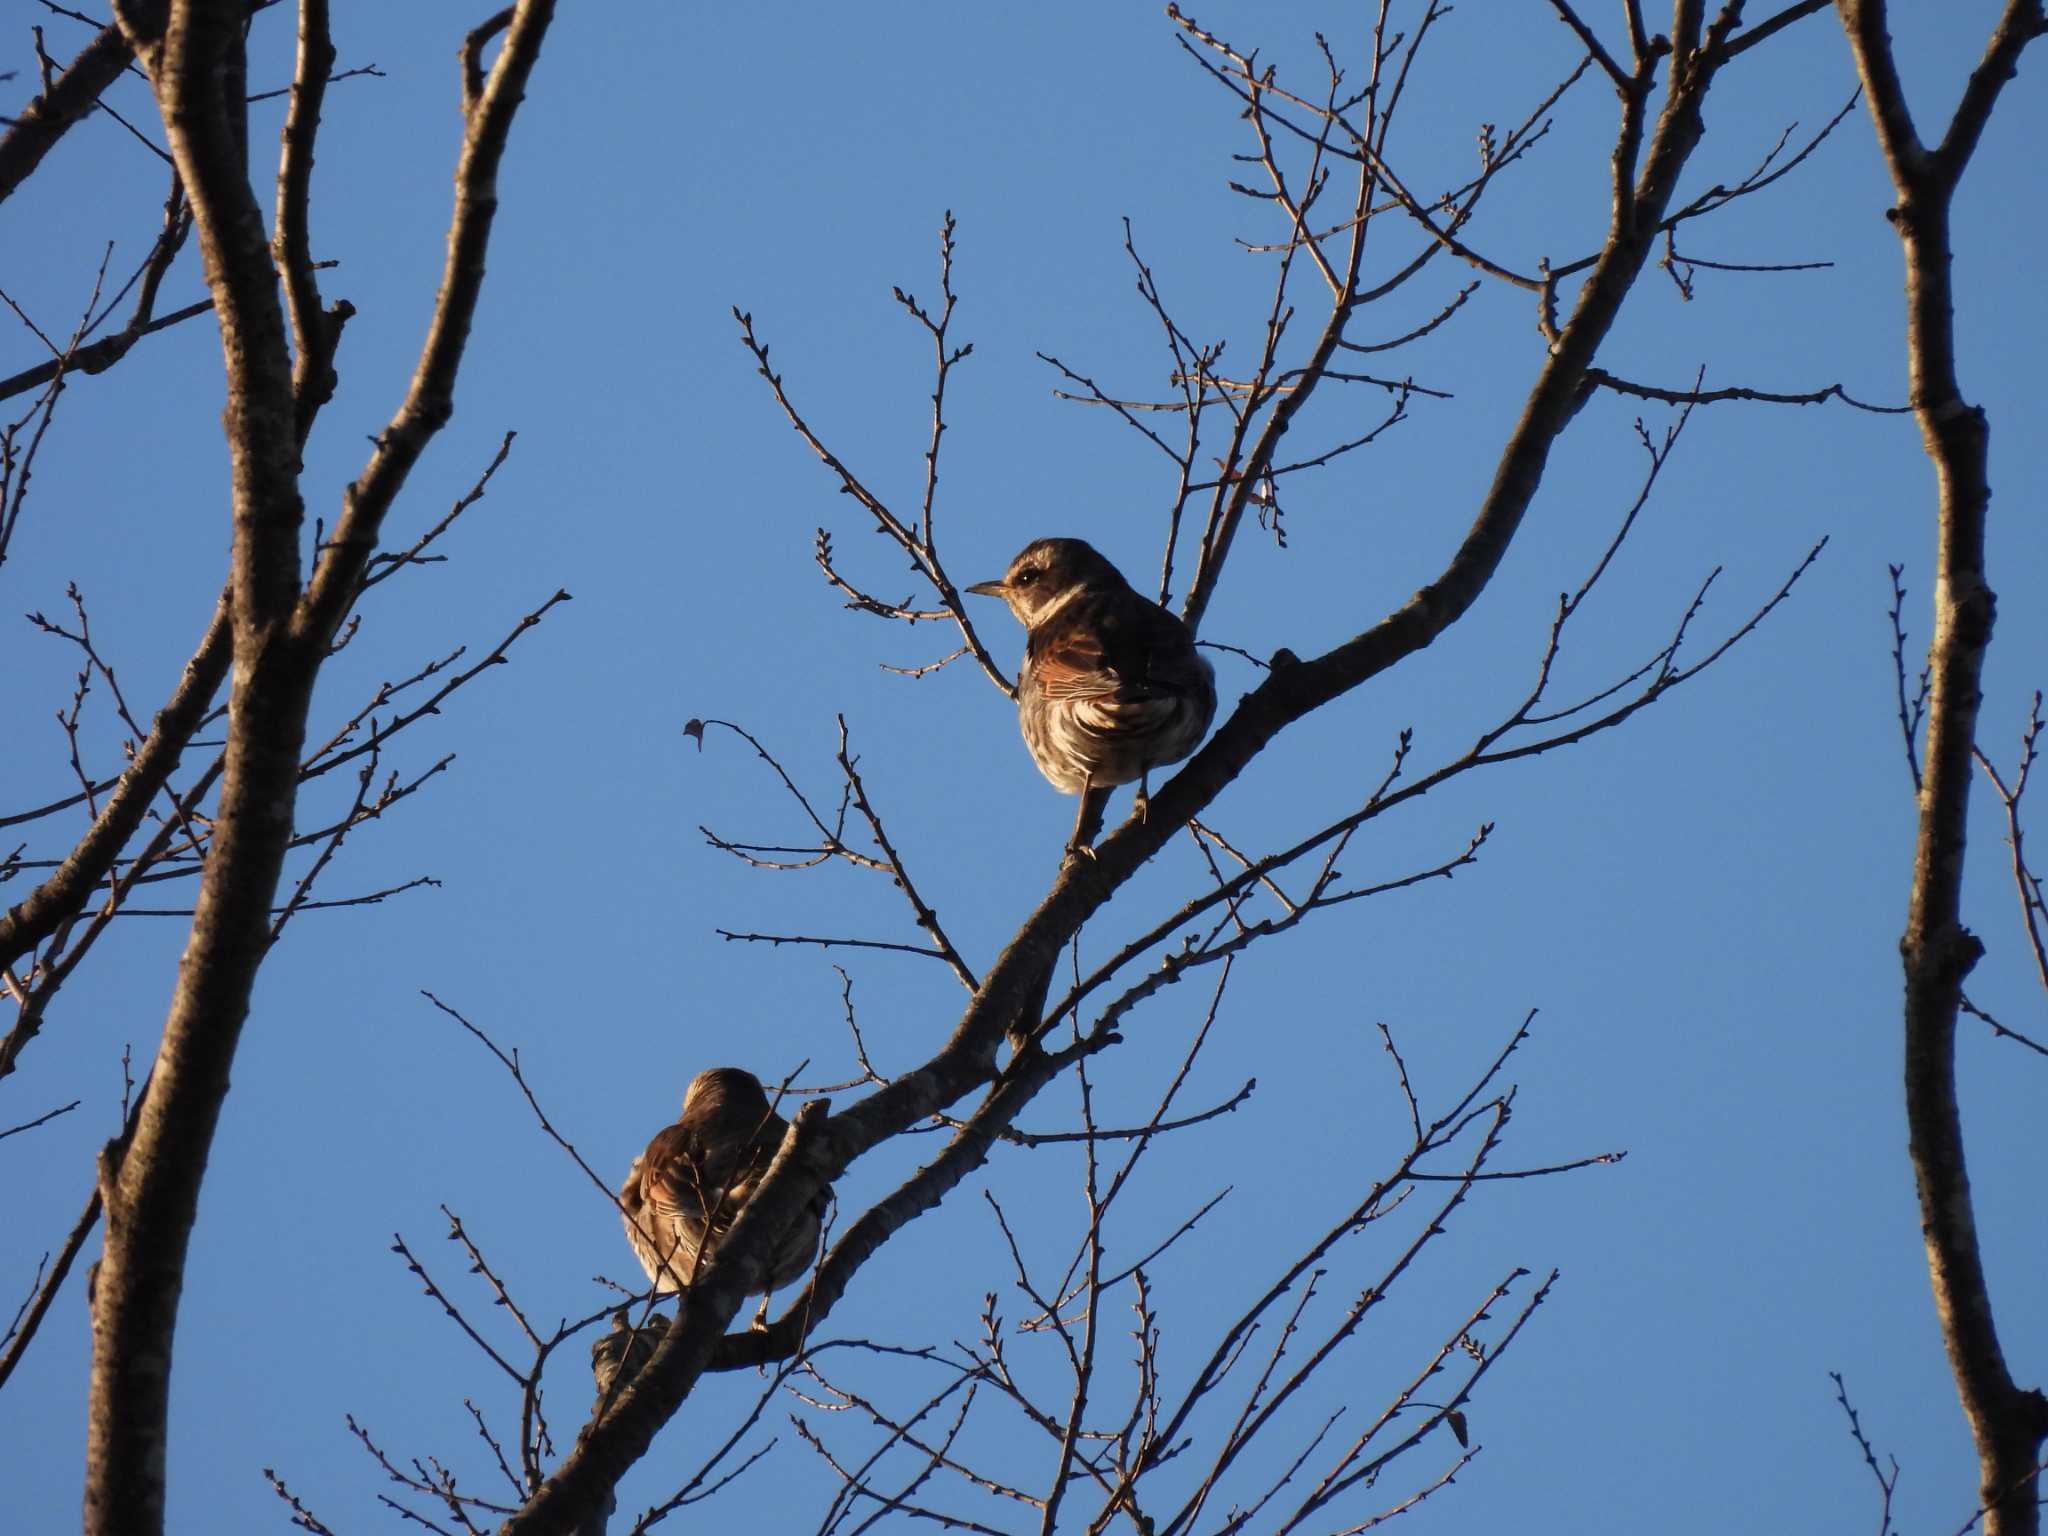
<point>63,895</point>
<point>821,1146</point>
<point>68,99</point>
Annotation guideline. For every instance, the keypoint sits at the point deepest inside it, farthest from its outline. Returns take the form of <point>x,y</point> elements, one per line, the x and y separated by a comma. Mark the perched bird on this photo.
<point>1112,686</point>
<point>686,1190</point>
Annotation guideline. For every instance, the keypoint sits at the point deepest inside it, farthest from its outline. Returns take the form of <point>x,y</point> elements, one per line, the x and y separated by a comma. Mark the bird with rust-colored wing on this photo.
<point>686,1190</point>
<point>1112,685</point>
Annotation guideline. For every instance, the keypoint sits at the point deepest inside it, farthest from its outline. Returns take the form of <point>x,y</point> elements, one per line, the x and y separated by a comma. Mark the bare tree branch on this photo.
<point>68,99</point>
<point>150,1188</point>
<point>36,916</point>
<point>2007,1422</point>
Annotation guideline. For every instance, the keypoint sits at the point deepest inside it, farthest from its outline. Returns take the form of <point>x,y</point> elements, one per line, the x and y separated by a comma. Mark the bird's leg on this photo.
<point>760,1322</point>
<point>1143,805</point>
<point>1087,821</point>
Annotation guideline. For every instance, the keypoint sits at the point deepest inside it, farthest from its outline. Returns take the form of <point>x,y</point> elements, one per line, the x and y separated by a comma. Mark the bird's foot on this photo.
<point>1087,824</point>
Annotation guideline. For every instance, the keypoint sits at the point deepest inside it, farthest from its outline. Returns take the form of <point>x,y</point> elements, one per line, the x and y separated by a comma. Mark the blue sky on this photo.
<point>1703,906</point>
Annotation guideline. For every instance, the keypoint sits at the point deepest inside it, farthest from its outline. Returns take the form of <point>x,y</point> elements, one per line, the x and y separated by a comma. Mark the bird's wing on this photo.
<point>671,1184</point>
<point>1115,643</point>
<point>662,1214</point>
<point>1069,664</point>
<point>1170,657</point>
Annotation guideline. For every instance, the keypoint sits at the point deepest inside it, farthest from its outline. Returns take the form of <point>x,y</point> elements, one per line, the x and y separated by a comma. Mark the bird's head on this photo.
<point>1046,573</point>
<point>723,1090</point>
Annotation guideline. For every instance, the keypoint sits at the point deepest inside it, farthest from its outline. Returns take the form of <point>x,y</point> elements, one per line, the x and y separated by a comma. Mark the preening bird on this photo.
<point>1112,685</point>
<point>686,1190</point>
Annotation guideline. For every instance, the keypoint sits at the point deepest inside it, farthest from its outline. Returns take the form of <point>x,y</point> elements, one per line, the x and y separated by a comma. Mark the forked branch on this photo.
<point>2009,1423</point>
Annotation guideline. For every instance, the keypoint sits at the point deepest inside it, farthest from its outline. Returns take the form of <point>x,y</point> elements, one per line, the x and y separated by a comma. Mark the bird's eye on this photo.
<point>1025,578</point>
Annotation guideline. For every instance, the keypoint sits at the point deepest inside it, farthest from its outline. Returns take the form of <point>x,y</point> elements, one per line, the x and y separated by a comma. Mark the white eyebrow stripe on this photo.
<point>1058,603</point>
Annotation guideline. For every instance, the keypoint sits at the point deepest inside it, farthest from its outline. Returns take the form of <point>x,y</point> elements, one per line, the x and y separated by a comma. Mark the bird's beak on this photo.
<point>990,589</point>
